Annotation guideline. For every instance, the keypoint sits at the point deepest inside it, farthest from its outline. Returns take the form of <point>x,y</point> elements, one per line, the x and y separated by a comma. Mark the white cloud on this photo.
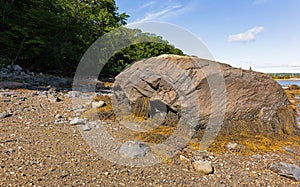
<point>164,13</point>
<point>247,36</point>
<point>279,69</point>
<point>289,67</point>
<point>148,4</point>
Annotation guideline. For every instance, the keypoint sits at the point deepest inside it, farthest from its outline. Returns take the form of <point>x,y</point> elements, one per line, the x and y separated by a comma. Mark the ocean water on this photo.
<point>286,83</point>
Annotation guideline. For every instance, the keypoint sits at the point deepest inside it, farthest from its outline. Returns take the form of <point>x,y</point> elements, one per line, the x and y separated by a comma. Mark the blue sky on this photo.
<point>263,34</point>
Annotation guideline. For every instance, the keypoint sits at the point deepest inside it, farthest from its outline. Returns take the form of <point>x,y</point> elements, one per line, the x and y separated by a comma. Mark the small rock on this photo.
<point>9,67</point>
<point>9,151</point>
<point>79,110</point>
<point>7,94</point>
<point>288,149</point>
<point>58,121</point>
<point>72,94</point>
<point>22,99</point>
<point>86,128</point>
<point>95,123</point>
<point>78,107</point>
<point>204,167</point>
<point>52,90</point>
<point>4,115</point>
<point>98,104</point>
<point>53,98</point>
<point>134,149</point>
<point>77,121</point>
<point>58,116</point>
<point>16,68</point>
<point>184,159</point>
<point>232,146</point>
<point>256,156</point>
<point>286,170</point>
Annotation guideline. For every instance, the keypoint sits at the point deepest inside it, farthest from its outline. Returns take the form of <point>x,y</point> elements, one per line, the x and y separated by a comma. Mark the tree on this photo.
<point>146,45</point>
<point>53,35</point>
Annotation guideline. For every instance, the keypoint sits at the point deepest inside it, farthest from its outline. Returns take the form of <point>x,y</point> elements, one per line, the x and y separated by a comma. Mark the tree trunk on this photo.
<point>18,53</point>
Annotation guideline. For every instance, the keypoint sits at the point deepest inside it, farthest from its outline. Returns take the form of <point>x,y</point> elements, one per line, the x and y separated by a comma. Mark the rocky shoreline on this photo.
<point>42,144</point>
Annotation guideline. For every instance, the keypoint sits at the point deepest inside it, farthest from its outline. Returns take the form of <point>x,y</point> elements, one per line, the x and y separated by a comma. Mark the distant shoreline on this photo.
<point>290,79</point>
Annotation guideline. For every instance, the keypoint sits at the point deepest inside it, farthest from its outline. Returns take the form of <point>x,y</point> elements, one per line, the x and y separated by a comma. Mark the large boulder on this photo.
<point>204,93</point>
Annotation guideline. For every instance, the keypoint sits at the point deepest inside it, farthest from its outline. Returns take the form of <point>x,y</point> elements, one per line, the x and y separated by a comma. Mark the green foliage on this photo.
<point>146,45</point>
<point>53,35</point>
<point>284,75</point>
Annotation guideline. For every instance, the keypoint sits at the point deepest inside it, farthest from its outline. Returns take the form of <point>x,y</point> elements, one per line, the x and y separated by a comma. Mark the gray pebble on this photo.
<point>286,170</point>
<point>77,121</point>
<point>4,115</point>
<point>86,128</point>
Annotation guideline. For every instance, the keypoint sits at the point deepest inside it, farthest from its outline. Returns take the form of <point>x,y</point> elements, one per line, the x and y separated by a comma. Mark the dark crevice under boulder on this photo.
<point>254,103</point>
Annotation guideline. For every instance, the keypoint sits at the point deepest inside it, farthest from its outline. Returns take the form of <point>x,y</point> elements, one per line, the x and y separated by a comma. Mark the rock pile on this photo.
<point>13,76</point>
